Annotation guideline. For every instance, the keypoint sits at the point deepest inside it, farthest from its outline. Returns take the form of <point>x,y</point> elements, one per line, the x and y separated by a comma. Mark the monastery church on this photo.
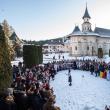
<point>86,41</point>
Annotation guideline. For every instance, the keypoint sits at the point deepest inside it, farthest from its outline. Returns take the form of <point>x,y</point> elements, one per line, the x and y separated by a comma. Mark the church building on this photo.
<point>87,41</point>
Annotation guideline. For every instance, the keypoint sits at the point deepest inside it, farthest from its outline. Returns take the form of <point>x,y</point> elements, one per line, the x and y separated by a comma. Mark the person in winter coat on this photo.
<point>74,65</point>
<point>37,101</point>
<point>69,71</point>
<point>70,79</point>
<point>96,70</point>
<point>91,69</point>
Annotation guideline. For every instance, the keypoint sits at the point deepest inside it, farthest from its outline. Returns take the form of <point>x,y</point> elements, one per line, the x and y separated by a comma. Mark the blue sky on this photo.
<point>46,19</point>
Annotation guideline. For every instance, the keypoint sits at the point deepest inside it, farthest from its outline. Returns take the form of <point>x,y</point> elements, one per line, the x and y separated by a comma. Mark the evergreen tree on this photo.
<point>5,64</point>
<point>8,32</point>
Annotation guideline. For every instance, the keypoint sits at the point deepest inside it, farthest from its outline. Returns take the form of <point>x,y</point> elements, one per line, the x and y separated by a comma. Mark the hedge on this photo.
<point>32,55</point>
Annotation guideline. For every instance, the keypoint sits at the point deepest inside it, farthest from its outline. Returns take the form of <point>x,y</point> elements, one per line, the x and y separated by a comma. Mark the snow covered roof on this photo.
<point>102,32</point>
<point>99,32</point>
<point>54,42</point>
<point>45,45</point>
<point>67,42</point>
<point>83,33</point>
<point>76,29</point>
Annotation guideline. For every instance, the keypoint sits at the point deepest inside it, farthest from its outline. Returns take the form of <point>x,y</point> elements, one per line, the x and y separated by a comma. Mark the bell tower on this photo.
<point>86,26</point>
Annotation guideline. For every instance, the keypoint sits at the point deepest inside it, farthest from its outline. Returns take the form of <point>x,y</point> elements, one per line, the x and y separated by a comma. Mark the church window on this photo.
<point>75,47</point>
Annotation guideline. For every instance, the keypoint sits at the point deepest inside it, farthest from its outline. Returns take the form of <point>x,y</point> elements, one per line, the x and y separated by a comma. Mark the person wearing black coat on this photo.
<point>70,79</point>
<point>91,69</point>
<point>7,103</point>
<point>37,101</point>
<point>74,65</point>
<point>21,100</point>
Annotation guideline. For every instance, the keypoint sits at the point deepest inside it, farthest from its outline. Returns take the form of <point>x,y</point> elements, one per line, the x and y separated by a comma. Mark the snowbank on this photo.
<point>49,58</point>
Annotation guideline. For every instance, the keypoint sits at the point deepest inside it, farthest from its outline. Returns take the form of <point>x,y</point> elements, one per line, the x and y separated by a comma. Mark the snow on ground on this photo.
<point>16,61</point>
<point>86,93</point>
<point>49,58</point>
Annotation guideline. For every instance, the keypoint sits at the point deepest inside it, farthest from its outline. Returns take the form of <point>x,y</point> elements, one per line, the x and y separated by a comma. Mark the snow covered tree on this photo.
<point>5,64</point>
<point>6,28</point>
<point>8,32</point>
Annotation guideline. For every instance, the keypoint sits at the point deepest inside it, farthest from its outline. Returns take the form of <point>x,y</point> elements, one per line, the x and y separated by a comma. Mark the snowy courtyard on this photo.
<point>86,93</point>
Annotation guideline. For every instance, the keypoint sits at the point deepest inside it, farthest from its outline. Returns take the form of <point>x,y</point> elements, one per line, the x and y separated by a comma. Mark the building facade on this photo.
<point>54,46</point>
<point>87,42</point>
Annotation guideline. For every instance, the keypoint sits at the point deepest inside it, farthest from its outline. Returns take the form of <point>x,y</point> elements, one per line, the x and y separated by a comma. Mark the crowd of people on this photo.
<point>96,68</point>
<point>31,88</point>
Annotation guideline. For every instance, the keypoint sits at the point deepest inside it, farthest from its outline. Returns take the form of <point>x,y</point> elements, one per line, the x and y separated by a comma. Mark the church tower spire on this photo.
<point>86,26</point>
<point>86,14</point>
